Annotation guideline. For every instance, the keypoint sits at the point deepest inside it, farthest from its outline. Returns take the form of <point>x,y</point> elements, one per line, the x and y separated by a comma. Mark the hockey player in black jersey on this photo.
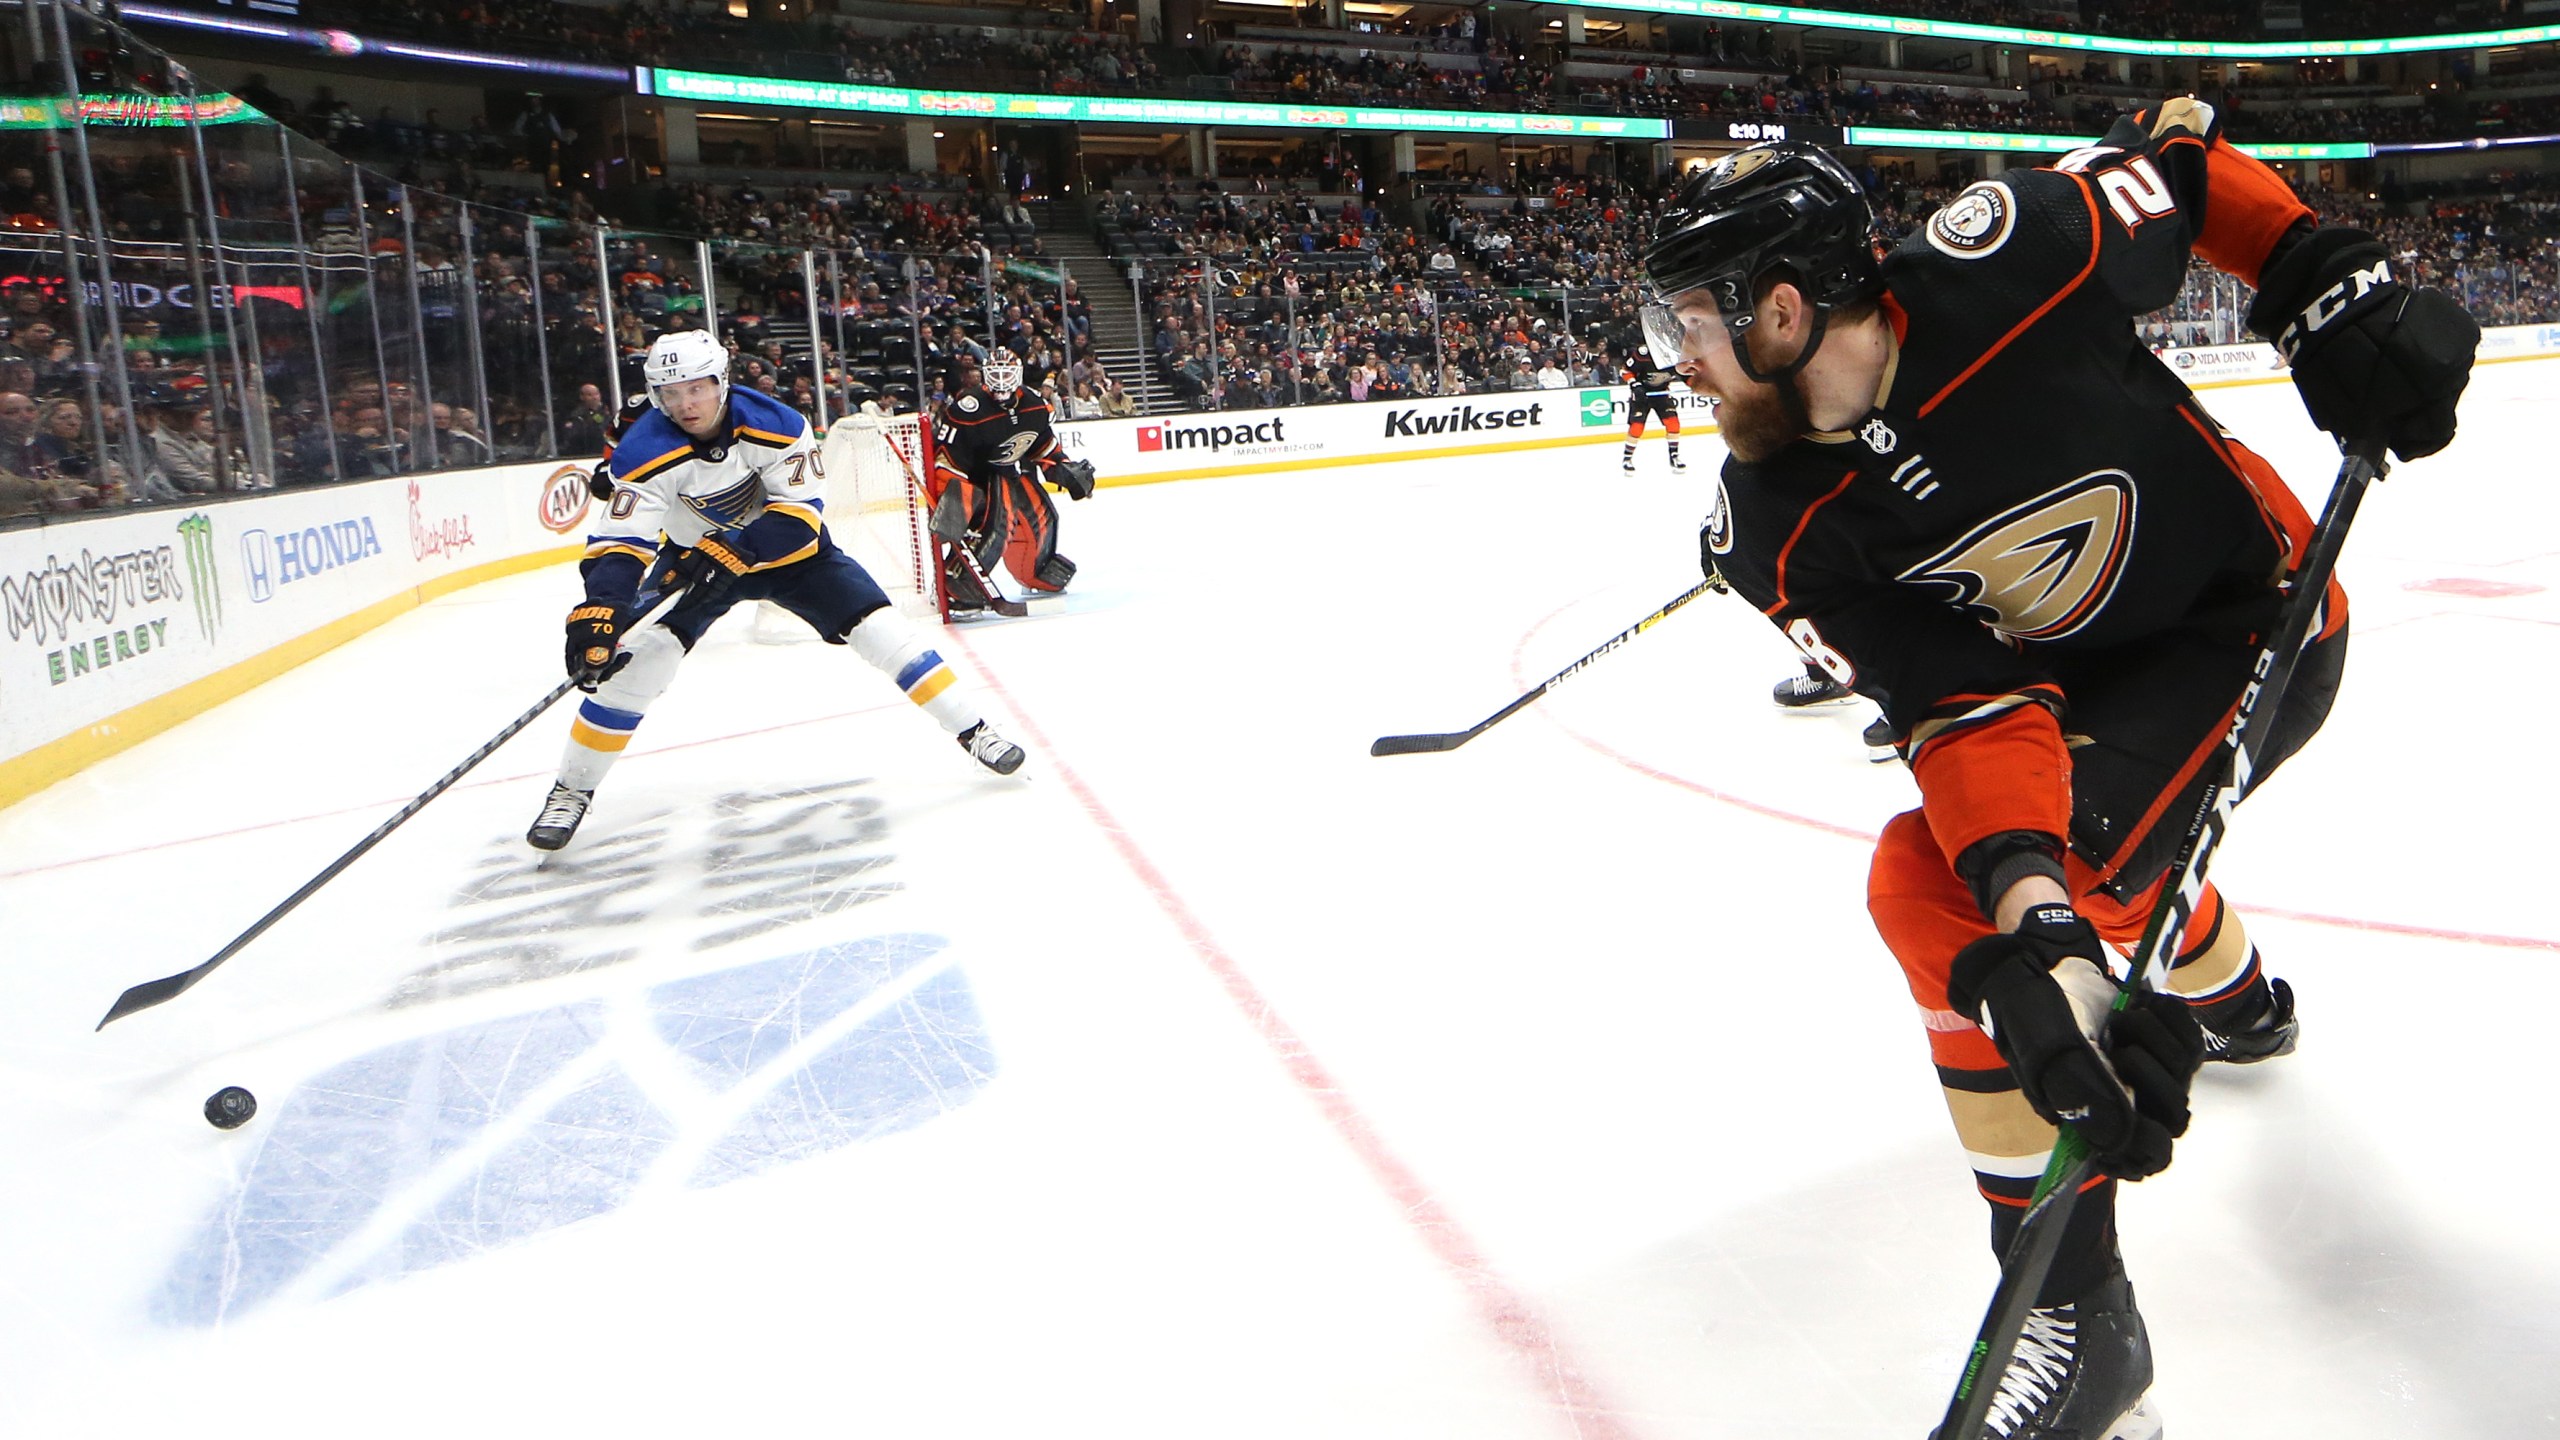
<point>993,445</point>
<point>1961,484</point>
<point>1649,394</point>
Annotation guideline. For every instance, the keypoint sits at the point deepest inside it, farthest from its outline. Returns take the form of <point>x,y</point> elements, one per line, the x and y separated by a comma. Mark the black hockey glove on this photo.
<point>594,634</point>
<point>2118,1077</point>
<point>1076,476</point>
<point>713,563</point>
<point>2372,357</point>
<point>600,481</point>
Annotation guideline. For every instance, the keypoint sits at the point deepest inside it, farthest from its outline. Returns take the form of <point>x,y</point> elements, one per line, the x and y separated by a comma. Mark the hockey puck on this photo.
<point>230,1107</point>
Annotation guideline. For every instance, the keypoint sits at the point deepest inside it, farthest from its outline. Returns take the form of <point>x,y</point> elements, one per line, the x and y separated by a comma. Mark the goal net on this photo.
<point>876,466</point>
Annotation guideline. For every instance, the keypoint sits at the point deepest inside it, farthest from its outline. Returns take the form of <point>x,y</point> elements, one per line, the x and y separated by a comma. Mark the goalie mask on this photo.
<point>1785,210</point>
<point>1003,373</point>
<point>683,355</point>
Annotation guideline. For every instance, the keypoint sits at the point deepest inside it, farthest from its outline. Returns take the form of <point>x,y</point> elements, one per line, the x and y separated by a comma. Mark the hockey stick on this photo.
<point>167,988</point>
<point>1427,744</point>
<point>2032,1250</point>
<point>996,601</point>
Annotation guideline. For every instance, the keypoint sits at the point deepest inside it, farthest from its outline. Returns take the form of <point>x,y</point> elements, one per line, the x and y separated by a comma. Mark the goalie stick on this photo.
<point>1428,744</point>
<point>996,600</point>
<point>170,987</point>
<point>2031,1252</point>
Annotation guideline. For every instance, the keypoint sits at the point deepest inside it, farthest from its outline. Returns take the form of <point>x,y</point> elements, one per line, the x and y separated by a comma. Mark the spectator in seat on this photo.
<point>582,431</point>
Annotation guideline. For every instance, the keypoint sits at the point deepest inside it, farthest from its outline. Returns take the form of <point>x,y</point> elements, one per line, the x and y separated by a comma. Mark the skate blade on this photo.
<point>2142,1422</point>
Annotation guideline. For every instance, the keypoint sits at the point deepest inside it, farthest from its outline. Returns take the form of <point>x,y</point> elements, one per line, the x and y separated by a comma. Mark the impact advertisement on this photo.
<point>1180,447</point>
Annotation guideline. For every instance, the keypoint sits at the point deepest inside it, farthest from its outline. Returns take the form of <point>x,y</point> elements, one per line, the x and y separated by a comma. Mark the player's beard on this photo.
<point>1758,419</point>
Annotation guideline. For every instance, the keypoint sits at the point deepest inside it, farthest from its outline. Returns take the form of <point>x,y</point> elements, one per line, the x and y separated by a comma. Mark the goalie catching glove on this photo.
<point>2118,1077</point>
<point>594,635</point>
<point>2372,357</point>
<point>1075,477</point>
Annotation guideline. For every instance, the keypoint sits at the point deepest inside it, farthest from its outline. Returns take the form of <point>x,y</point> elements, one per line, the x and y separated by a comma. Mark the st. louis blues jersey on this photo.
<point>757,481</point>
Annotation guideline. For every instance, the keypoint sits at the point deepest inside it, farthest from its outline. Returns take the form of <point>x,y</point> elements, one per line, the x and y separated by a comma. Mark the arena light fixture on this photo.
<point>2476,142</point>
<point>345,45</point>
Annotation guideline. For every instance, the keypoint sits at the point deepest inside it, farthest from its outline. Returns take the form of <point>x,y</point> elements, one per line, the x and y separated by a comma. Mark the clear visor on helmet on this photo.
<point>1674,332</point>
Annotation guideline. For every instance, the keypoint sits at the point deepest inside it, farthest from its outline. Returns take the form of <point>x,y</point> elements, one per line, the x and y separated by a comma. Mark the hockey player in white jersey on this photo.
<point>720,492</point>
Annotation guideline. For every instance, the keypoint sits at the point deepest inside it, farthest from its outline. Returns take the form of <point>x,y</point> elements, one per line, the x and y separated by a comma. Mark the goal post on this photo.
<point>876,506</point>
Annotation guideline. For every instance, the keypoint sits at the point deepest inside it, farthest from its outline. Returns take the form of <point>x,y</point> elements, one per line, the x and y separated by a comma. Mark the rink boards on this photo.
<point>118,626</point>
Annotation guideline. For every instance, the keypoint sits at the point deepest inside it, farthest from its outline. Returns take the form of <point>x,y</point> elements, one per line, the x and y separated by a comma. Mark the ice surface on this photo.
<point>1214,1078</point>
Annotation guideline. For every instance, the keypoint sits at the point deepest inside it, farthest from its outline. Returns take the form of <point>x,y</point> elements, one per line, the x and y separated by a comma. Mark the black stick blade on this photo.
<point>152,992</point>
<point>1418,744</point>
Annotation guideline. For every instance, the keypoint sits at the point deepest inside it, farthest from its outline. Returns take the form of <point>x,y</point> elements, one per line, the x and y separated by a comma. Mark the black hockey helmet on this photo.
<point>1786,206</point>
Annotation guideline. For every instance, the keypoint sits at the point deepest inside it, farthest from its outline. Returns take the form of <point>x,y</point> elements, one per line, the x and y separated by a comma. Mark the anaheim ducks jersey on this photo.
<point>1646,382</point>
<point>978,435</point>
<point>760,473</point>
<point>2031,485</point>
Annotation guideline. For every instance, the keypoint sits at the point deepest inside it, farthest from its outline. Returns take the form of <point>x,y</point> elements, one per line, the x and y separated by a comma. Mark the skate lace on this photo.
<point>2036,1371</point>
<point>563,808</point>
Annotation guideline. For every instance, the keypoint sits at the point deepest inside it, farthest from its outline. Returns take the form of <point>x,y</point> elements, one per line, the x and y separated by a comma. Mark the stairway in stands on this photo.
<point>1119,337</point>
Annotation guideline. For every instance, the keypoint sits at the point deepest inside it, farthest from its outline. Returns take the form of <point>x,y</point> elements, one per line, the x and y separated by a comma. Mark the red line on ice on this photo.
<point>1511,1314</point>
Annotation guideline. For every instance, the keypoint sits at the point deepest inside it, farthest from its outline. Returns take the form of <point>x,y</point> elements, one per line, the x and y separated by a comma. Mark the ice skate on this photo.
<point>2275,1033</point>
<point>1627,463</point>
<point>991,749</point>
<point>559,818</point>
<point>1800,692</point>
<point>1881,741</point>
<point>2080,1372</point>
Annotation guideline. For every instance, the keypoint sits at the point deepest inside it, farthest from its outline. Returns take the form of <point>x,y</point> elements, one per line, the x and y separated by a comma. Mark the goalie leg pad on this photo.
<point>960,584</point>
<point>1030,533</point>
<point>897,649</point>
<point>607,719</point>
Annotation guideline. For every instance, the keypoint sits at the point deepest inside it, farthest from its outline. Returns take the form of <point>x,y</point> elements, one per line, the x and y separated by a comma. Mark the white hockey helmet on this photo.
<point>681,355</point>
<point>1004,372</point>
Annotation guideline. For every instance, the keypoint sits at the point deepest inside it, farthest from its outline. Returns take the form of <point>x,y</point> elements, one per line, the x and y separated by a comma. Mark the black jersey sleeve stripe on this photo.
<point>2087,197</point>
<point>1779,572</point>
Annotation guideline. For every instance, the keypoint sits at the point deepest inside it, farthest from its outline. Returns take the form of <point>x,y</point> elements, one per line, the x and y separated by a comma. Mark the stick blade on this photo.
<point>150,993</point>
<point>1418,744</point>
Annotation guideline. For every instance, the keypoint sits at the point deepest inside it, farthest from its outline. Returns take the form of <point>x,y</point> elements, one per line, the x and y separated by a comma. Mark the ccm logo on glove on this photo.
<point>2328,305</point>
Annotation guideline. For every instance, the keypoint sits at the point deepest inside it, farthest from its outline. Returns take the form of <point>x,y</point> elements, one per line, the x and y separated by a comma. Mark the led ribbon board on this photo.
<point>1722,10</point>
<point>118,110</point>
<point>1128,110</point>
<point>1893,138</point>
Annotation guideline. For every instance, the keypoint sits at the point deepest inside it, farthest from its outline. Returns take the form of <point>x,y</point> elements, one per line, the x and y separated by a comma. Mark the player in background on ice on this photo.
<point>719,492</point>
<point>1959,479</point>
<point>1649,393</point>
<point>600,483</point>
<point>992,448</point>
